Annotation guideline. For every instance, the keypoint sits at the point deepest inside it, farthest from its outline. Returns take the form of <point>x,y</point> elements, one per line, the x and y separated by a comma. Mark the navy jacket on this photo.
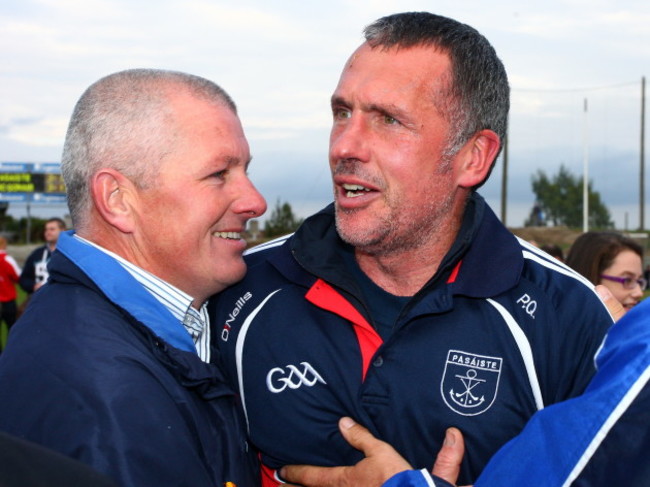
<point>500,331</point>
<point>600,438</point>
<point>25,464</point>
<point>27,278</point>
<point>99,370</point>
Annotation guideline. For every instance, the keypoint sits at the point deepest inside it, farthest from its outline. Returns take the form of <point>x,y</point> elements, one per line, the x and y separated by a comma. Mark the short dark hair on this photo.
<point>58,221</point>
<point>593,252</point>
<point>478,95</point>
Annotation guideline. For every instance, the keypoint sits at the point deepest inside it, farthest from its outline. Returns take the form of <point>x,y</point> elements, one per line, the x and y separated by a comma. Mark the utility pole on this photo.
<point>642,164</point>
<point>585,176</point>
<point>28,234</point>
<point>504,182</point>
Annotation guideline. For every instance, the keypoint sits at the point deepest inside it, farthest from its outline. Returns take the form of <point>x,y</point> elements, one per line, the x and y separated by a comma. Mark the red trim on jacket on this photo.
<point>268,476</point>
<point>326,297</point>
<point>454,273</point>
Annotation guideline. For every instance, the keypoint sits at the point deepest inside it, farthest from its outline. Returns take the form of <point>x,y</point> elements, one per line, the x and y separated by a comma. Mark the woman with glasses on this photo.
<point>613,260</point>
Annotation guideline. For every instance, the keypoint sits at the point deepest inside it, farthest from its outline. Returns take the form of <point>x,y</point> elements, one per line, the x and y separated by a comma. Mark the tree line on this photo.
<point>559,201</point>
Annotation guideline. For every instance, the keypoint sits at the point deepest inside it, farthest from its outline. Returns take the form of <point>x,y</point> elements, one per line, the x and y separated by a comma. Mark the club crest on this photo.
<point>470,382</point>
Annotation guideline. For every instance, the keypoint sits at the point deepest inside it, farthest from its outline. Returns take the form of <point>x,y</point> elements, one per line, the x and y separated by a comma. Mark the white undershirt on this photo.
<point>179,304</point>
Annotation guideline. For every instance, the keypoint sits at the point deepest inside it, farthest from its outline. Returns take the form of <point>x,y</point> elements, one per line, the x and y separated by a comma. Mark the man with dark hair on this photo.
<point>406,304</point>
<point>35,272</point>
<point>111,362</point>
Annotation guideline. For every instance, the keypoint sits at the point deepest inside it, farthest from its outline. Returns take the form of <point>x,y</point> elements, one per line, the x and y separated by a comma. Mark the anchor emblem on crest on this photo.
<point>466,398</point>
<point>470,382</point>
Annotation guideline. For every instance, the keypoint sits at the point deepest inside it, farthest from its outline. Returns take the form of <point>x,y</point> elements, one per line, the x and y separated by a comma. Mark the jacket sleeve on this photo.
<point>23,463</point>
<point>131,430</point>
<point>15,271</point>
<point>415,478</point>
<point>573,442</point>
<point>28,275</point>
<point>564,358</point>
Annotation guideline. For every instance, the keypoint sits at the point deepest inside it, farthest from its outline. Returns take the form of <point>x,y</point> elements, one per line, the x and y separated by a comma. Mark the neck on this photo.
<point>405,272</point>
<point>129,249</point>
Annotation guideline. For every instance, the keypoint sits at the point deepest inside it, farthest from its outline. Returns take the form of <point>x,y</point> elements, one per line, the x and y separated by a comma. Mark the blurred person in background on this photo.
<point>613,260</point>
<point>35,273</point>
<point>553,250</point>
<point>9,274</point>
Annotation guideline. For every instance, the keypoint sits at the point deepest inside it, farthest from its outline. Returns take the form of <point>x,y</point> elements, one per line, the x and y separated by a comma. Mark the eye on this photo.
<point>341,113</point>
<point>629,283</point>
<point>221,174</point>
<point>388,120</point>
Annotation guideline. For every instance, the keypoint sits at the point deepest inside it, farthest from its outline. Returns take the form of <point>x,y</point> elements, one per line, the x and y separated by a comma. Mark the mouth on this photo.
<point>355,190</point>
<point>227,235</point>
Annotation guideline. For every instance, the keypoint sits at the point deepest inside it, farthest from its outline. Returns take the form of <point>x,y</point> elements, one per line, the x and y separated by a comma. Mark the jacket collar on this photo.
<point>485,259</point>
<point>123,290</point>
<point>493,262</point>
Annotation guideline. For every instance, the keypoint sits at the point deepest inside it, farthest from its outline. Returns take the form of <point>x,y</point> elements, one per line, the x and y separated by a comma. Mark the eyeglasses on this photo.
<point>628,282</point>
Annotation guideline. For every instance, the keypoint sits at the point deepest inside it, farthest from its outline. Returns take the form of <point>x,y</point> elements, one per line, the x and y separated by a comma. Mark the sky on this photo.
<point>280,61</point>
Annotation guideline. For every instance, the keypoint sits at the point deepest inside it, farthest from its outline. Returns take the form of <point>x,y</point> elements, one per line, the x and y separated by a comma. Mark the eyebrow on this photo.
<point>388,109</point>
<point>337,100</point>
<point>233,161</point>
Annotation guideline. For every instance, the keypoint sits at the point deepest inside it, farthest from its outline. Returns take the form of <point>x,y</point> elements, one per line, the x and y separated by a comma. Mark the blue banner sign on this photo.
<point>31,182</point>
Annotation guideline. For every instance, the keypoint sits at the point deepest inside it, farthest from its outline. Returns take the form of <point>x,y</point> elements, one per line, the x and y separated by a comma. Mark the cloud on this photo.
<point>281,61</point>
<point>47,133</point>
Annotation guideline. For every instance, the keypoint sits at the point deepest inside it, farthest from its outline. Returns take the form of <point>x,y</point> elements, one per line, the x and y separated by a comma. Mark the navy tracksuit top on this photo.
<point>500,331</point>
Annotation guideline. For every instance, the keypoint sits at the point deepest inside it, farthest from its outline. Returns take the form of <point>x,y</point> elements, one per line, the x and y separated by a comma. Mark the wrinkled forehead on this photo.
<point>395,72</point>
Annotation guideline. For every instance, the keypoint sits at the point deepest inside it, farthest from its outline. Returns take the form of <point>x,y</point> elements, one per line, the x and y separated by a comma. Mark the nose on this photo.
<point>349,139</point>
<point>252,203</point>
<point>637,292</point>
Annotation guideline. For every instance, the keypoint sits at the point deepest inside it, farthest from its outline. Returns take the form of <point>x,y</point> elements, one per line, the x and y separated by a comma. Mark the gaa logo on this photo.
<point>278,379</point>
<point>470,382</point>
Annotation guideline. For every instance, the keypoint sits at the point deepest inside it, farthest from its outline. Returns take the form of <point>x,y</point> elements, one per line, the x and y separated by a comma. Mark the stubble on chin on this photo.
<point>368,234</point>
<point>398,234</point>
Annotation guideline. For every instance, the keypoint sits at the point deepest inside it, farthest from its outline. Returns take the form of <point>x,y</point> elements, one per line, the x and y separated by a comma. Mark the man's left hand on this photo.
<point>381,462</point>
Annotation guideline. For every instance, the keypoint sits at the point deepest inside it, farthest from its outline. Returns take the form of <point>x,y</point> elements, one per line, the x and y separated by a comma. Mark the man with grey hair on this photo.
<point>406,304</point>
<point>111,362</point>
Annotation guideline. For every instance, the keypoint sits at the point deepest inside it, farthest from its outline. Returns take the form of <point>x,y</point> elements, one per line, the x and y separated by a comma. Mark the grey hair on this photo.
<point>124,121</point>
<point>477,96</point>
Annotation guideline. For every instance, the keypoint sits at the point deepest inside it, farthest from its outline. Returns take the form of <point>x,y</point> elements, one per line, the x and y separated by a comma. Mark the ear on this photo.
<point>112,193</point>
<point>477,157</point>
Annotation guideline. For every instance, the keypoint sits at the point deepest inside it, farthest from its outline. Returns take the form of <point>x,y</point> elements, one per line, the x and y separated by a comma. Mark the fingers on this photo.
<point>450,456</point>
<point>355,434</point>
<point>313,476</point>
<point>613,305</point>
<point>381,462</point>
<point>358,436</point>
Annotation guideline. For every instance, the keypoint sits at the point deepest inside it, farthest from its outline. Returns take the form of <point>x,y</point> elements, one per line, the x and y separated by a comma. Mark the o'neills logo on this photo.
<point>470,382</point>
<point>239,304</point>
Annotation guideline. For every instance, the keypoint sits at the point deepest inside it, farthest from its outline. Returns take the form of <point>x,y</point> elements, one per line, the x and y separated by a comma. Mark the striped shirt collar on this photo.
<point>179,303</point>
